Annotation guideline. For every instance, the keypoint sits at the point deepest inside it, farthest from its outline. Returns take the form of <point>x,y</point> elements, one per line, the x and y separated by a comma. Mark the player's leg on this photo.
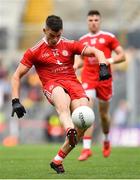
<point>105,122</point>
<point>62,104</point>
<point>104,94</point>
<point>87,142</point>
<point>87,138</point>
<point>61,101</point>
<point>76,98</point>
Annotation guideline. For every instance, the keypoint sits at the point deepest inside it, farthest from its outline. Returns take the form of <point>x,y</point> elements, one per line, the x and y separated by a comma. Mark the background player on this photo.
<point>53,58</point>
<point>107,43</point>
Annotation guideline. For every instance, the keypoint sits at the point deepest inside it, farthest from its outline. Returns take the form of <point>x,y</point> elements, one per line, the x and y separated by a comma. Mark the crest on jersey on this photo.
<point>102,40</point>
<point>65,53</point>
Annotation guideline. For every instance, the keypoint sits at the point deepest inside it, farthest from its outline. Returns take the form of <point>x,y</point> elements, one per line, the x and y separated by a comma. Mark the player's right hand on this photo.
<point>17,108</point>
<point>104,72</point>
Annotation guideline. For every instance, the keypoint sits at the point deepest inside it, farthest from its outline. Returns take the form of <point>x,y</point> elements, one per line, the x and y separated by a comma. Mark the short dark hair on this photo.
<point>94,12</point>
<point>54,22</point>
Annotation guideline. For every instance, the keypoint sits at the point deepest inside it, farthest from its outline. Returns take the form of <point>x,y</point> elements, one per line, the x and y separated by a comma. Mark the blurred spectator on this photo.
<point>33,79</point>
<point>121,114</point>
<point>54,130</point>
<point>4,85</point>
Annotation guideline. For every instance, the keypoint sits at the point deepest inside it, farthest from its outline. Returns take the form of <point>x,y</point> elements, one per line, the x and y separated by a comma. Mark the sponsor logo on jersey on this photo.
<point>61,69</point>
<point>45,55</point>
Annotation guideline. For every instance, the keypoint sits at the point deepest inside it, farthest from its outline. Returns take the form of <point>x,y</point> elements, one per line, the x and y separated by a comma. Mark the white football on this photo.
<point>83,117</point>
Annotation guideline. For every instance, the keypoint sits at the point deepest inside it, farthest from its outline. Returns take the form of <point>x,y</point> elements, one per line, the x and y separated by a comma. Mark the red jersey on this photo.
<point>104,41</point>
<point>53,62</point>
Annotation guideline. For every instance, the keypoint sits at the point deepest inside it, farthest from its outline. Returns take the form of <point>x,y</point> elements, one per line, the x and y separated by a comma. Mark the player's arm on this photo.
<point>89,51</point>
<point>15,83</point>
<point>92,51</point>
<point>78,62</point>
<point>119,56</point>
<point>15,80</point>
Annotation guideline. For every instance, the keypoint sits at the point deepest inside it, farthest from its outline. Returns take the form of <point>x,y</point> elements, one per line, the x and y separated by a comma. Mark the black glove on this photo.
<point>17,108</point>
<point>104,72</point>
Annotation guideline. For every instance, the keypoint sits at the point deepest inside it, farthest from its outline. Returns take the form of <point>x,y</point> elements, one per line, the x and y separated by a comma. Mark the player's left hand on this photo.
<point>104,72</point>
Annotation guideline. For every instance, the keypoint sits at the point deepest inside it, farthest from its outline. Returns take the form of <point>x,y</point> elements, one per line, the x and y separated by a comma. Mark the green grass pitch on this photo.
<point>32,162</point>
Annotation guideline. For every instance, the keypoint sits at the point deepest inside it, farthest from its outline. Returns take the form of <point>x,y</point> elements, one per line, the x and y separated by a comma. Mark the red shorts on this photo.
<point>72,87</point>
<point>103,88</point>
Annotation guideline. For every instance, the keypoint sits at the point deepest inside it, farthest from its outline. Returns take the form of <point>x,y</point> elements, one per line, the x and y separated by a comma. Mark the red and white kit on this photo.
<point>106,42</point>
<point>54,66</point>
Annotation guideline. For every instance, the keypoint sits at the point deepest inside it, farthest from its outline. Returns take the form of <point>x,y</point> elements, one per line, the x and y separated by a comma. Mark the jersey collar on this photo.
<point>95,34</point>
<point>44,39</point>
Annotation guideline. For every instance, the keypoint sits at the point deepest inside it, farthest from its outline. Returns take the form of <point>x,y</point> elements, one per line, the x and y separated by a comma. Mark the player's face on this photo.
<point>52,36</point>
<point>94,23</point>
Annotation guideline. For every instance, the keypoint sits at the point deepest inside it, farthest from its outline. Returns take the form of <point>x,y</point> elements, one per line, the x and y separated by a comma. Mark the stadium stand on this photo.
<point>36,11</point>
<point>33,17</point>
<point>10,19</point>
